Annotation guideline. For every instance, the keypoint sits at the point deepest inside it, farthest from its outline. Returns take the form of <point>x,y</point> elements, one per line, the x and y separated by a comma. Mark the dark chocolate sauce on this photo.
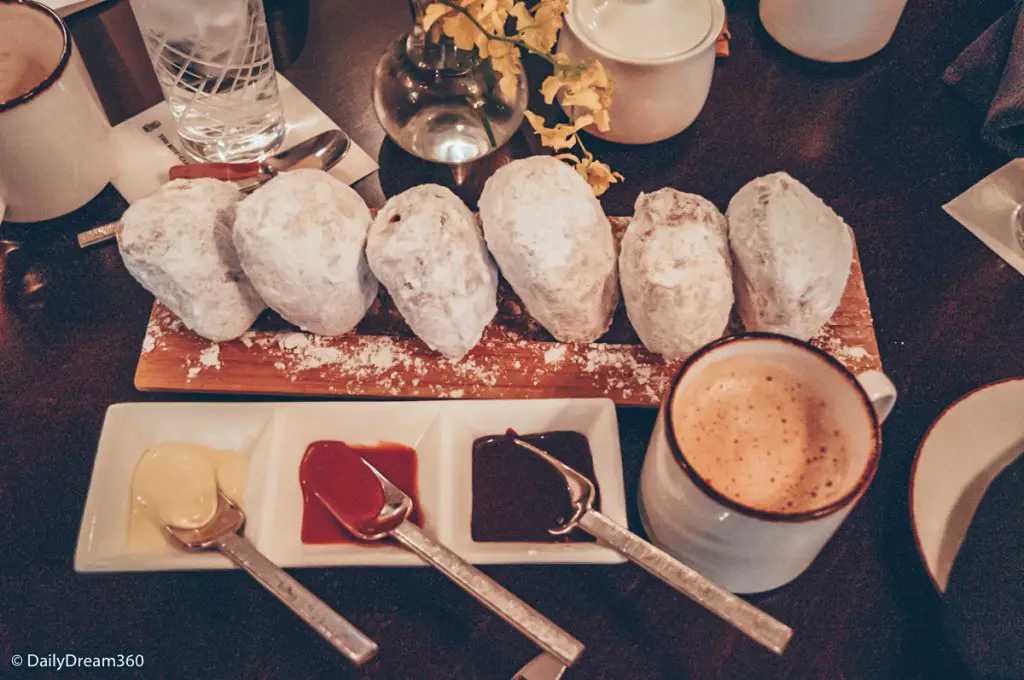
<point>517,496</point>
<point>335,470</point>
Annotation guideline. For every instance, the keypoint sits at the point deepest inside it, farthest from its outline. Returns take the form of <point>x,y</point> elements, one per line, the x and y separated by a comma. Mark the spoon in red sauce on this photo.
<point>367,504</point>
<point>334,470</point>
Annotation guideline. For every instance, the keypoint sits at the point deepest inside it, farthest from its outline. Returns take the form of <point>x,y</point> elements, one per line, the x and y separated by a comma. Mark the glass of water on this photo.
<point>214,64</point>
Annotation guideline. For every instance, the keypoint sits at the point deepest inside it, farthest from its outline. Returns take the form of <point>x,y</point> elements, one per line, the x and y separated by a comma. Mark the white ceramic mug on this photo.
<point>742,548</point>
<point>55,150</point>
<point>655,98</point>
<point>832,30</point>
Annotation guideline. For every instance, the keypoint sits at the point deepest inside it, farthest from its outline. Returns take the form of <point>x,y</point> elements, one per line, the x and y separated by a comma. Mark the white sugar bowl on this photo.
<point>660,55</point>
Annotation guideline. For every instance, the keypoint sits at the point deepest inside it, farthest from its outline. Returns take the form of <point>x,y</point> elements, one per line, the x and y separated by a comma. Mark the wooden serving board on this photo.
<point>516,359</point>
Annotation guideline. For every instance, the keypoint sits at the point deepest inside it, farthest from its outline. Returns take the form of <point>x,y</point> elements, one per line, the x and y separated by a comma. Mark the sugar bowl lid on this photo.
<point>643,30</point>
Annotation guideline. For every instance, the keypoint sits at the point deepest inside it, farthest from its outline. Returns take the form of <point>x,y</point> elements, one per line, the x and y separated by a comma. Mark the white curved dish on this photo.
<point>973,440</point>
<point>275,435</point>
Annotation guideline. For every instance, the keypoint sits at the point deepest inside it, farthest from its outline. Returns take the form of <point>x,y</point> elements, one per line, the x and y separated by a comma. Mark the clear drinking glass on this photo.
<point>214,64</point>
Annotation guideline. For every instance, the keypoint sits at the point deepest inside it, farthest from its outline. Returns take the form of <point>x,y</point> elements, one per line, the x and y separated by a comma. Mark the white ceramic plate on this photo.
<point>275,436</point>
<point>973,440</point>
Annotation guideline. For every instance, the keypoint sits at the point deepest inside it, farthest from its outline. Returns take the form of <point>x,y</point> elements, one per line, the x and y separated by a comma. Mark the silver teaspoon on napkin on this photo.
<point>221,533</point>
<point>750,620</point>
<point>393,521</point>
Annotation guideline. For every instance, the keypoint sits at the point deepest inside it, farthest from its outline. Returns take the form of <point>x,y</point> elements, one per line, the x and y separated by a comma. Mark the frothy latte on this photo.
<point>763,436</point>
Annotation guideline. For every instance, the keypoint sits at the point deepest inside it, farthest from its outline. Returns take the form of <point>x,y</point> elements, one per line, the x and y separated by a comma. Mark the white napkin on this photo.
<point>69,7</point>
<point>145,146</point>
<point>989,208</point>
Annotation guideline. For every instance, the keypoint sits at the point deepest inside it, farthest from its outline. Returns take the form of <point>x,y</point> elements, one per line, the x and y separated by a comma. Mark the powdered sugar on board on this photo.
<point>299,363</point>
<point>515,359</point>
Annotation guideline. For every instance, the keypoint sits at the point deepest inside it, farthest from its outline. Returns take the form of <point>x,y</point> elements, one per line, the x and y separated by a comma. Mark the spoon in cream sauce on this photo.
<point>176,483</point>
<point>185,490</point>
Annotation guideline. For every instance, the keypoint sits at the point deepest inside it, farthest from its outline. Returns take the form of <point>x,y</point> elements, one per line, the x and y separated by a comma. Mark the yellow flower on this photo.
<point>588,99</point>
<point>603,120</point>
<point>523,17</point>
<point>550,87</point>
<point>589,89</point>
<point>540,29</point>
<point>597,174</point>
<point>493,14</point>
<point>595,76</point>
<point>561,136</point>
<point>432,14</point>
<point>506,63</point>
<point>460,28</point>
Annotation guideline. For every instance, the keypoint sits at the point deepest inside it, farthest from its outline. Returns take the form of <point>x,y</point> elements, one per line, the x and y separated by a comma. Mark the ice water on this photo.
<point>214,64</point>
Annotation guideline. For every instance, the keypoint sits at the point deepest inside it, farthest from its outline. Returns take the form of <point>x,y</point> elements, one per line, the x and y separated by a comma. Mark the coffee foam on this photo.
<point>762,436</point>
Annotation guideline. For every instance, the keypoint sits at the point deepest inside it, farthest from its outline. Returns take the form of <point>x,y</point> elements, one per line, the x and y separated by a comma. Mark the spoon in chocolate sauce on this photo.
<point>392,520</point>
<point>750,620</point>
<point>221,533</point>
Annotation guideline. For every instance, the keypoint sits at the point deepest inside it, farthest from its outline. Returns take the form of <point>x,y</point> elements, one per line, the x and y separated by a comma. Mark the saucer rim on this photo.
<point>928,567</point>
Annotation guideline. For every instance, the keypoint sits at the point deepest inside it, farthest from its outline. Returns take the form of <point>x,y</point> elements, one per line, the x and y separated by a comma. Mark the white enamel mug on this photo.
<point>742,548</point>
<point>832,30</point>
<point>55,151</point>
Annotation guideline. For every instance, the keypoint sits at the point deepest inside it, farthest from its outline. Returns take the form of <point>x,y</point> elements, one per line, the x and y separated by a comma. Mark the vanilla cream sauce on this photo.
<point>176,483</point>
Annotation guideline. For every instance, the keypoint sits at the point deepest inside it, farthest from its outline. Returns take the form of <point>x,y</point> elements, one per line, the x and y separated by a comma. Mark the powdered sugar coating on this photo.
<point>675,272</point>
<point>554,246</point>
<point>792,256</point>
<point>177,243</point>
<point>301,238</point>
<point>427,250</point>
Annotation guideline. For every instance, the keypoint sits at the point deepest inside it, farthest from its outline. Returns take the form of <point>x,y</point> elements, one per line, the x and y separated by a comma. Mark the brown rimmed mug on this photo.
<point>55,155</point>
<point>743,548</point>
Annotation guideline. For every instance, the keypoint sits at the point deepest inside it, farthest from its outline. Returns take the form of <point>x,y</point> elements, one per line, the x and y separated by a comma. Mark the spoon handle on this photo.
<point>541,667</point>
<point>229,172</point>
<point>522,616</point>
<point>98,235</point>
<point>750,620</point>
<point>345,637</point>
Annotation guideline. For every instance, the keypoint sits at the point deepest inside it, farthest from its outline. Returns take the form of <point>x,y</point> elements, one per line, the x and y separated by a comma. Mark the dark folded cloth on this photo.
<point>990,74</point>
<point>983,609</point>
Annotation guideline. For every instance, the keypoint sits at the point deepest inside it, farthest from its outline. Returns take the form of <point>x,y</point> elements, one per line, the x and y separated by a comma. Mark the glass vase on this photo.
<point>440,103</point>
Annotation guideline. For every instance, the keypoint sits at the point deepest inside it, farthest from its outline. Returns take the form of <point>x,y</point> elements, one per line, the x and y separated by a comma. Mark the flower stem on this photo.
<point>487,125</point>
<point>579,140</point>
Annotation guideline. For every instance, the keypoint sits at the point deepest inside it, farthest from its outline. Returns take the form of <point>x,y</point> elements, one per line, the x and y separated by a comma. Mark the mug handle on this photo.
<point>880,391</point>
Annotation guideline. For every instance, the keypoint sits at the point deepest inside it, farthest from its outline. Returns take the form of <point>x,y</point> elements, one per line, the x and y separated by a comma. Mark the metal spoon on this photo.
<point>322,152</point>
<point>542,667</point>
<point>221,533</point>
<point>393,521</point>
<point>750,620</point>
